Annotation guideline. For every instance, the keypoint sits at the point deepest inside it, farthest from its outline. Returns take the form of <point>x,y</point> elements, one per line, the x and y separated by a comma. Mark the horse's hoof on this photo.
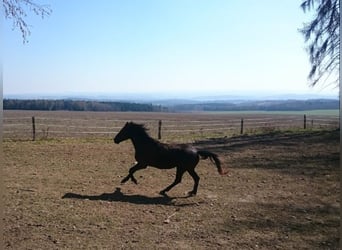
<point>134,180</point>
<point>191,193</point>
<point>163,193</point>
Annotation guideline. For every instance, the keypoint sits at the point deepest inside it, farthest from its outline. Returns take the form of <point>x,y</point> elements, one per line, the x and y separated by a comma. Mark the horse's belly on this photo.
<point>171,161</point>
<point>170,158</point>
<point>164,163</point>
<point>162,166</point>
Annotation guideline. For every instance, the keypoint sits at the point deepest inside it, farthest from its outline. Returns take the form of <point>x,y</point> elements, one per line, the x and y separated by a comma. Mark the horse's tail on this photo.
<point>214,158</point>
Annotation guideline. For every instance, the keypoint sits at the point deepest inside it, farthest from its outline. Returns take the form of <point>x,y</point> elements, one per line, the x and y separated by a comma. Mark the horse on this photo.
<point>150,152</point>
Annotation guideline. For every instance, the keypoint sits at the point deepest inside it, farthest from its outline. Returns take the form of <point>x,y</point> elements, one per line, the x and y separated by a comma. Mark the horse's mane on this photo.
<point>140,128</point>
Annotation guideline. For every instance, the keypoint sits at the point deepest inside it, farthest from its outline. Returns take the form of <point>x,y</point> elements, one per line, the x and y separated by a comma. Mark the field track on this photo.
<point>282,192</point>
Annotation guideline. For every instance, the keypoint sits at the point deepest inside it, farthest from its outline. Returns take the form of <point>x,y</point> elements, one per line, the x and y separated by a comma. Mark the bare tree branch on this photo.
<point>17,11</point>
<point>322,37</point>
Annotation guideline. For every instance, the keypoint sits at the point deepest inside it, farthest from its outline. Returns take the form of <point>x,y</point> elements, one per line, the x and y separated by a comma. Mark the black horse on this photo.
<point>150,152</point>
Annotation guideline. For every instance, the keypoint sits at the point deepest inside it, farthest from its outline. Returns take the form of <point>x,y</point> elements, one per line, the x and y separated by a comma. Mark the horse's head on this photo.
<point>124,133</point>
<point>129,131</point>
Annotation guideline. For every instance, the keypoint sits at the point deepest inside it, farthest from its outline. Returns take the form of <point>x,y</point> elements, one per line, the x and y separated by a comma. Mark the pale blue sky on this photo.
<point>160,46</point>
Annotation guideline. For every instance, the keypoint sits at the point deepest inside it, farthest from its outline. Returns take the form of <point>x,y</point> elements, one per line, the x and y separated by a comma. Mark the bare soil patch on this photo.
<point>282,192</point>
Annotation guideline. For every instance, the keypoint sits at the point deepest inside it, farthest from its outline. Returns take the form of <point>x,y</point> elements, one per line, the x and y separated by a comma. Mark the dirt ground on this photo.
<point>282,192</point>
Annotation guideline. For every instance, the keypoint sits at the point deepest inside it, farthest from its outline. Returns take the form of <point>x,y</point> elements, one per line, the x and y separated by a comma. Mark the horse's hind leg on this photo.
<point>132,170</point>
<point>178,180</point>
<point>196,178</point>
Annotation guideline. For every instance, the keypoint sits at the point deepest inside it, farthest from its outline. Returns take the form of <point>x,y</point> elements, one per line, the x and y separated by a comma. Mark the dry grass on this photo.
<point>282,192</point>
<point>179,127</point>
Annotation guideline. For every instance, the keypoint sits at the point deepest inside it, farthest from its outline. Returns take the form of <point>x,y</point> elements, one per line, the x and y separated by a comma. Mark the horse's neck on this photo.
<point>143,142</point>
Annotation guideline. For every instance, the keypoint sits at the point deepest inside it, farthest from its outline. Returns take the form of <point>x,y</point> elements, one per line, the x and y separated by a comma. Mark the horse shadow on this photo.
<point>118,196</point>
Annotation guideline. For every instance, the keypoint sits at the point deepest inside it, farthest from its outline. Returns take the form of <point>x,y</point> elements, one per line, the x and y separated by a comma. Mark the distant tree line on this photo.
<point>77,105</point>
<point>276,105</point>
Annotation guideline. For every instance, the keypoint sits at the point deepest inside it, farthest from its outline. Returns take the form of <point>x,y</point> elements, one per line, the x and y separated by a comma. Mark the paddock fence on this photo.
<point>168,129</point>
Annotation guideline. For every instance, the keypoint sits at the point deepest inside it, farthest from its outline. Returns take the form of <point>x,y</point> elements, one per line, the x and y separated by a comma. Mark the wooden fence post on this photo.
<point>33,129</point>
<point>159,129</point>
<point>304,121</point>
<point>241,130</point>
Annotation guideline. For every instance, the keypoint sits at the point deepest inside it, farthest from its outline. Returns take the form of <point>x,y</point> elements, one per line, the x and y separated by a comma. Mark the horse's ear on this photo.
<point>128,123</point>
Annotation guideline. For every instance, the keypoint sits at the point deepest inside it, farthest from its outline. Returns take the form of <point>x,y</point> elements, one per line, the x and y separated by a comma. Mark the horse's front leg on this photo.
<point>132,170</point>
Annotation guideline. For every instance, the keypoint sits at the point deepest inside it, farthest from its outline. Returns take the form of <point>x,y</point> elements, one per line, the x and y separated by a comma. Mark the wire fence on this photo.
<point>180,128</point>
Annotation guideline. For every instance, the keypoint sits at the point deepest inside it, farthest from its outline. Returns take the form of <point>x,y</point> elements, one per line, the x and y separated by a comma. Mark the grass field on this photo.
<point>282,192</point>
